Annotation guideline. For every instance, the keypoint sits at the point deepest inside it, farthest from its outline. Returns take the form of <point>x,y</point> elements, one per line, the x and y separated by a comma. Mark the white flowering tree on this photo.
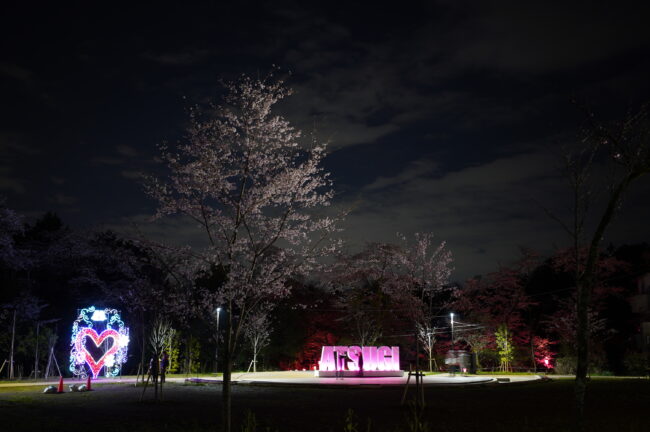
<point>424,270</point>
<point>242,176</point>
<point>257,331</point>
<point>427,336</point>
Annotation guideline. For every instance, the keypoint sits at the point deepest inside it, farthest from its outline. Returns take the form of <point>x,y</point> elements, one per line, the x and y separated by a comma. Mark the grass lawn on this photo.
<point>619,405</point>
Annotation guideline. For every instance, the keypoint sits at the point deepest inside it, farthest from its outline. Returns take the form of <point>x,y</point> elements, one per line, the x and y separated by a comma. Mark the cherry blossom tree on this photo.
<point>257,331</point>
<point>242,177</point>
<point>478,341</point>
<point>360,282</point>
<point>427,336</point>
<point>422,274</point>
<point>400,277</point>
<point>499,298</point>
<point>624,147</point>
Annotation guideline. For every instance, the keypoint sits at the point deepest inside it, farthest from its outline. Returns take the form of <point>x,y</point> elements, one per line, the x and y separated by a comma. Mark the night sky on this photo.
<point>445,116</point>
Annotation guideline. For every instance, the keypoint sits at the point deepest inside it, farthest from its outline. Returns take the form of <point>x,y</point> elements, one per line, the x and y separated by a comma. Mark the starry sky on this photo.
<point>442,116</point>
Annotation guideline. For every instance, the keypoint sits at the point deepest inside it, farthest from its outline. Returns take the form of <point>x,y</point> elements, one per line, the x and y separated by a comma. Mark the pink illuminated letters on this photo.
<point>352,357</point>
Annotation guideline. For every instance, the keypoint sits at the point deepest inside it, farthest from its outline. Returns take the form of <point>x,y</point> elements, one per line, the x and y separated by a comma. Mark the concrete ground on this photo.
<point>307,378</point>
<point>294,378</point>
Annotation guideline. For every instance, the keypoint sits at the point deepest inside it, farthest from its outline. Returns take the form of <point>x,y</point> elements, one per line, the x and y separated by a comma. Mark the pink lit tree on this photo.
<point>543,351</point>
<point>498,302</point>
<point>243,178</point>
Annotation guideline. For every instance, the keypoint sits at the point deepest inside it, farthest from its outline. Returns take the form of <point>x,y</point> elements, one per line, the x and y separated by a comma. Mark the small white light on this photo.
<point>99,315</point>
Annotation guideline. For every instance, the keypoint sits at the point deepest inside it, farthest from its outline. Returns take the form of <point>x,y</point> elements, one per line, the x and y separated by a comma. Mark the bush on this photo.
<point>565,365</point>
<point>636,364</point>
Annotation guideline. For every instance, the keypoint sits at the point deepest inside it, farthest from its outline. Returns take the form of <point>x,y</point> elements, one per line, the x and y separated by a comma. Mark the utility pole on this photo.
<point>11,355</point>
<point>38,325</point>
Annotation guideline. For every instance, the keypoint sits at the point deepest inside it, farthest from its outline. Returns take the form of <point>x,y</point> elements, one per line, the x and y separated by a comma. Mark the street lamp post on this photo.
<point>452,330</point>
<point>216,353</point>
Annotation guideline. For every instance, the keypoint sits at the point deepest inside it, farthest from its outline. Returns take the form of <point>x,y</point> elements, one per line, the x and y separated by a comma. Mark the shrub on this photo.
<point>636,364</point>
<point>565,365</point>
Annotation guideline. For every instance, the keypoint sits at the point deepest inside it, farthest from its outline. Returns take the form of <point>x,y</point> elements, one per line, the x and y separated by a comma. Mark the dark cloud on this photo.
<point>443,116</point>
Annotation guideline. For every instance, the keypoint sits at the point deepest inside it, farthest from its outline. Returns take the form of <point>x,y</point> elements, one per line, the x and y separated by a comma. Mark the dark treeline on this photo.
<point>520,317</point>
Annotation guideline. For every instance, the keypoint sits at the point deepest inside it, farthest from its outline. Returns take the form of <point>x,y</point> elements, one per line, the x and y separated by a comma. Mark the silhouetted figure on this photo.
<point>361,364</point>
<point>164,364</point>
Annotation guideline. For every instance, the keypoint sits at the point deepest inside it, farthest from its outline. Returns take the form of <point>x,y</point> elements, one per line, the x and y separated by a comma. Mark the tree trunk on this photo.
<point>584,285</point>
<point>38,325</point>
<point>144,344</point>
<point>226,397</point>
<point>582,366</point>
<point>11,353</point>
<point>532,354</point>
<point>255,361</point>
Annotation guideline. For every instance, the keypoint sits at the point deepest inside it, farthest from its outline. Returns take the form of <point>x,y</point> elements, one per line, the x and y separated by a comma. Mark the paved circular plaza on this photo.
<point>307,378</point>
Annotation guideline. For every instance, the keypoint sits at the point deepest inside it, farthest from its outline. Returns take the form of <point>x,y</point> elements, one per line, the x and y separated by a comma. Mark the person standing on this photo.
<point>164,364</point>
<point>361,364</point>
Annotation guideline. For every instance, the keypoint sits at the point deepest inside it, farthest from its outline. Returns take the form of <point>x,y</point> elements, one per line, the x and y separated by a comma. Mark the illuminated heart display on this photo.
<point>98,325</point>
<point>98,339</point>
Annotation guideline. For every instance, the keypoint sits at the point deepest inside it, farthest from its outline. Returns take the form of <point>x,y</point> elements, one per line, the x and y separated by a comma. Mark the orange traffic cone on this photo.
<point>60,390</point>
<point>88,387</point>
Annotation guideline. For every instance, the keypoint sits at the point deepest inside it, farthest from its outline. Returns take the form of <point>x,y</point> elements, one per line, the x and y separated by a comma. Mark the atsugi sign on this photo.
<point>356,358</point>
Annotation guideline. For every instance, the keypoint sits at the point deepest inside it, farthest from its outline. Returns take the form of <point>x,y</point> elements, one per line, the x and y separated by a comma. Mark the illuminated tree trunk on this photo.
<point>255,357</point>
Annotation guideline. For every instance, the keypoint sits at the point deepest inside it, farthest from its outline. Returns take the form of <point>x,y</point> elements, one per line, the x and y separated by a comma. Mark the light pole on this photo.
<point>38,325</point>
<point>216,353</point>
<point>452,330</point>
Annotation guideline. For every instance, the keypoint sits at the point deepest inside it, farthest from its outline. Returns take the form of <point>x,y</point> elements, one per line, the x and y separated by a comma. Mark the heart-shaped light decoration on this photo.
<point>98,339</point>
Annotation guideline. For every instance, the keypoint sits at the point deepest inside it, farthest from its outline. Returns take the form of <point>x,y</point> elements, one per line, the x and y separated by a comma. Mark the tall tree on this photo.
<point>499,298</point>
<point>361,282</point>
<point>624,147</point>
<point>242,176</point>
<point>427,335</point>
<point>257,331</point>
<point>423,273</point>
